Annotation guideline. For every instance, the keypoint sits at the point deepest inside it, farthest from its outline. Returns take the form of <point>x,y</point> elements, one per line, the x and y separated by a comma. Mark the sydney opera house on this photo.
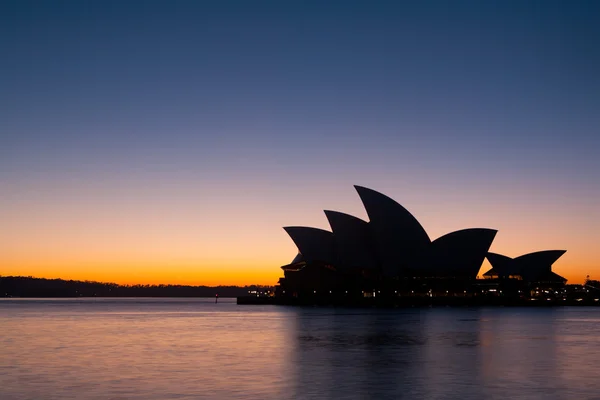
<point>391,255</point>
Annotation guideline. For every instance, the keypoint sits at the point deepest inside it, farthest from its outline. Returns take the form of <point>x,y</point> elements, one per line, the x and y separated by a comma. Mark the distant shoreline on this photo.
<point>116,298</point>
<point>30,287</point>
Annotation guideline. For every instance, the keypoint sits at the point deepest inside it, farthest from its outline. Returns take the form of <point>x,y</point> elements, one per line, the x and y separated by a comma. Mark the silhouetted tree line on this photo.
<point>592,284</point>
<point>21,286</point>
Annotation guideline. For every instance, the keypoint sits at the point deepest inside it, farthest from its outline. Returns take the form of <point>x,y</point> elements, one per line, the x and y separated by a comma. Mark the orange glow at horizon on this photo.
<point>149,236</point>
<point>195,275</point>
<point>239,271</point>
<point>171,144</point>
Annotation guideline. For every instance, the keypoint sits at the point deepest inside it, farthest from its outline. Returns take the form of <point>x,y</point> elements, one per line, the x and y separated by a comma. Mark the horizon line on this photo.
<point>128,284</point>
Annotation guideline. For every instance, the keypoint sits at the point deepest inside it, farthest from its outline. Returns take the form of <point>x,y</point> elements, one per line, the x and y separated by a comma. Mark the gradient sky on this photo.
<point>169,141</point>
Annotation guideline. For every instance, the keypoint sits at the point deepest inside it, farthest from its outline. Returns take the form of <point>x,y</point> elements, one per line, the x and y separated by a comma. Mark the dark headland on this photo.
<point>20,286</point>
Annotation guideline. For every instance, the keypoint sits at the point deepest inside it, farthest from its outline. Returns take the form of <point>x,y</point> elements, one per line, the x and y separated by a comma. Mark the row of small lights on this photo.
<point>259,293</point>
<point>379,291</point>
<point>430,293</point>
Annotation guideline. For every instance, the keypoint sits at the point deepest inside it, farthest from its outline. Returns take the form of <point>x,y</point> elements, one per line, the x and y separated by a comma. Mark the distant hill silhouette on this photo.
<point>21,286</point>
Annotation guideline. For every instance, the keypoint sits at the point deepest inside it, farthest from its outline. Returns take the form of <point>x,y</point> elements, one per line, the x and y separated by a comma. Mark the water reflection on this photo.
<point>437,353</point>
<point>384,353</point>
<point>520,352</point>
<point>344,353</point>
<point>450,363</point>
<point>132,349</point>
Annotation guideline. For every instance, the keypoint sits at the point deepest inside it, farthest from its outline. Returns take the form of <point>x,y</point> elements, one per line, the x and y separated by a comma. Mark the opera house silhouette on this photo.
<point>392,255</point>
<point>534,267</point>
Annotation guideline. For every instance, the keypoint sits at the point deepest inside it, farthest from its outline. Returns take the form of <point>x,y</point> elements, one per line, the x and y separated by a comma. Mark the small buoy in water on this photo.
<point>216,297</point>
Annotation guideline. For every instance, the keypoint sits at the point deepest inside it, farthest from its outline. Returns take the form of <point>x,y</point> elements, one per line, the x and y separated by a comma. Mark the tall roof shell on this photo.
<point>399,238</point>
<point>460,253</point>
<point>352,240</point>
<point>315,245</point>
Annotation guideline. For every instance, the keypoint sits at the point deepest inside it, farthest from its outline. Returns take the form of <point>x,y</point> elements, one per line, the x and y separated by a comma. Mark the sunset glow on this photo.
<point>171,146</point>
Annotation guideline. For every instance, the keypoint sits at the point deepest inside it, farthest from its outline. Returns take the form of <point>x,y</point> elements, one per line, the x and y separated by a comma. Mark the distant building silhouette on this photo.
<point>535,267</point>
<point>393,254</point>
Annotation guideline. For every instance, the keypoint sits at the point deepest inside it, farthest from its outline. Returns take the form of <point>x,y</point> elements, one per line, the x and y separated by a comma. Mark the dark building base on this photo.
<point>418,302</point>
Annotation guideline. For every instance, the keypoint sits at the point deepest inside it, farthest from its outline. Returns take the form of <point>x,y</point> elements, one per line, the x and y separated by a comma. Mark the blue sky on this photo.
<point>492,101</point>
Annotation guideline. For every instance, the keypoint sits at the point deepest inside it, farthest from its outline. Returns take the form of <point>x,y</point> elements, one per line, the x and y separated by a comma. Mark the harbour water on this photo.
<point>196,349</point>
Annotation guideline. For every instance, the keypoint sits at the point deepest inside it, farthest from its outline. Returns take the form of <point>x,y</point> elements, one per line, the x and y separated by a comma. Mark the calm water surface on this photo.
<point>195,349</point>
